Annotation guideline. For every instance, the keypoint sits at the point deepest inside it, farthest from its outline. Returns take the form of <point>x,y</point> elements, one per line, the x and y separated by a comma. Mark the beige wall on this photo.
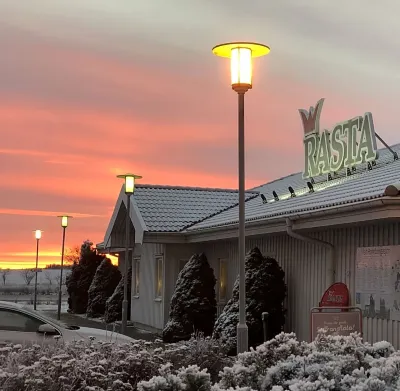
<point>147,311</point>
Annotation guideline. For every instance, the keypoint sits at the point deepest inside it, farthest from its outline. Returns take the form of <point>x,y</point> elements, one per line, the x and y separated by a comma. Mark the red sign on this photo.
<point>337,295</point>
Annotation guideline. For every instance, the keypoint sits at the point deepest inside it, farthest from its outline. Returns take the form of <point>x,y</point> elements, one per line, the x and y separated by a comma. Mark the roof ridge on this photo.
<point>192,188</point>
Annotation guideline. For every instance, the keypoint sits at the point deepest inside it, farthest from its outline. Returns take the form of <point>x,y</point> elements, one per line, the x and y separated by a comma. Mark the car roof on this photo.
<point>10,304</point>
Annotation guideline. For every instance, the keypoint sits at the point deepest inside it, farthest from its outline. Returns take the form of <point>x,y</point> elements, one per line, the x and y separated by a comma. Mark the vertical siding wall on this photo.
<point>305,269</point>
<point>145,310</point>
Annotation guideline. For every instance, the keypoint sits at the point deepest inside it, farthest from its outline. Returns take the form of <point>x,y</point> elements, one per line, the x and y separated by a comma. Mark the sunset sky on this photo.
<point>93,88</point>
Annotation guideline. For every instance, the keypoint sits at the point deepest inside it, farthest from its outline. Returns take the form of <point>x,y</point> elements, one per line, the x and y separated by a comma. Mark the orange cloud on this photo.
<point>27,212</point>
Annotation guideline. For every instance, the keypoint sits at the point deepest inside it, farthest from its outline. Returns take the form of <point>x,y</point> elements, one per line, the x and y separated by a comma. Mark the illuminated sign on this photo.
<point>348,144</point>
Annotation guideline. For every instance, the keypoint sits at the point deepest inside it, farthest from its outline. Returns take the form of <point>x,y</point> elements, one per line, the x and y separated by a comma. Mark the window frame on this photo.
<point>159,283</point>
<point>223,265</point>
<point>136,281</point>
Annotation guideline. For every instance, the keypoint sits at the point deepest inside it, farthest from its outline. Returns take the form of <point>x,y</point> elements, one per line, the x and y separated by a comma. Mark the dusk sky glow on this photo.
<point>94,88</point>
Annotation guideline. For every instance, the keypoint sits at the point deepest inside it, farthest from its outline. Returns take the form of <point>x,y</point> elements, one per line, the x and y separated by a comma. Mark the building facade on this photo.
<point>312,225</point>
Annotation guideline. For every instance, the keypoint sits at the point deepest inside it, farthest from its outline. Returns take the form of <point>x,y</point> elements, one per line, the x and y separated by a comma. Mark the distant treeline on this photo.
<point>55,266</point>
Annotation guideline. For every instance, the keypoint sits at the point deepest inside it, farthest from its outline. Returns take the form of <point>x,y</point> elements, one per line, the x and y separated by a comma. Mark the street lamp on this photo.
<point>38,236</point>
<point>241,55</point>
<point>129,190</point>
<point>64,225</point>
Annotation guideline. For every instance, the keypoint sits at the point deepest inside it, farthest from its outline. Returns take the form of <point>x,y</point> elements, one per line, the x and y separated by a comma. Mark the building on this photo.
<point>312,225</point>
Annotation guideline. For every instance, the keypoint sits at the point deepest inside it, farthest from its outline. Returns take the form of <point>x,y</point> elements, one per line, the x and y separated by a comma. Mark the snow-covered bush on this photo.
<point>102,287</point>
<point>265,292</point>
<point>87,366</point>
<point>113,311</point>
<point>193,304</point>
<point>191,378</point>
<point>206,353</point>
<point>329,363</point>
<point>81,276</point>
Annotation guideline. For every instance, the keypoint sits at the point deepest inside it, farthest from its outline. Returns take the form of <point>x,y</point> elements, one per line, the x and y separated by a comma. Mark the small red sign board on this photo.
<point>337,295</point>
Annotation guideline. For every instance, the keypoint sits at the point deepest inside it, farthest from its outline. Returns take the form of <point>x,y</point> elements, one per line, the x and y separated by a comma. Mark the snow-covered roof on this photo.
<point>174,208</point>
<point>362,185</point>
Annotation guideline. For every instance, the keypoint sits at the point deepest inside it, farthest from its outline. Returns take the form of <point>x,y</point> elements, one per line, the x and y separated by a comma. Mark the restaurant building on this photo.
<point>317,224</point>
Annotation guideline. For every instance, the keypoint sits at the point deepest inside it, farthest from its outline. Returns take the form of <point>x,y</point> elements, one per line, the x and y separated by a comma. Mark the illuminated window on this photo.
<point>159,276</point>
<point>137,277</point>
<point>223,277</point>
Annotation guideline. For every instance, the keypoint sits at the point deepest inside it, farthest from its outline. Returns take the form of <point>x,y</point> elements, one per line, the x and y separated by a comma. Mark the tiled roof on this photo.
<point>174,208</point>
<point>364,184</point>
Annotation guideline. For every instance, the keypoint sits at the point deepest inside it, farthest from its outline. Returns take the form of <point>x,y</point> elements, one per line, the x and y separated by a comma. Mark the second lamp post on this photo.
<point>64,225</point>
<point>241,54</point>
<point>129,190</point>
<point>38,235</point>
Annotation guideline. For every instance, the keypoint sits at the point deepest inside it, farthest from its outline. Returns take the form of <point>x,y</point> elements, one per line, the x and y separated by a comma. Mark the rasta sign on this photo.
<point>348,144</point>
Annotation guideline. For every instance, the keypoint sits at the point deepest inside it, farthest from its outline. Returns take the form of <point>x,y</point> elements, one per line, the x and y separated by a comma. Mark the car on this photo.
<point>21,325</point>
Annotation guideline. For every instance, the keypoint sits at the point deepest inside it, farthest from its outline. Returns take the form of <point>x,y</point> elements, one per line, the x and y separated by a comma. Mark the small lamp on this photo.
<point>64,220</point>
<point>129,182</point>
<point>38,234</point>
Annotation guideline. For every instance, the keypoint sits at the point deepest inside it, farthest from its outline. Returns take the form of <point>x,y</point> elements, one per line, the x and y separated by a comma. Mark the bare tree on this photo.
<point>57,278</point>
<point>28,275</point>
<point>4,273</point>
<point>72,255</point>
<point>49,277</point>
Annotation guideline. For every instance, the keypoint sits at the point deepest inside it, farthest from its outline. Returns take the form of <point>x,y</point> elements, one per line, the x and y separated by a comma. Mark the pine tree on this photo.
<point>193,304</point>
<point>113,310</point>
<point>102,287</point>
<point>81,276</point>
<point>265,292</point>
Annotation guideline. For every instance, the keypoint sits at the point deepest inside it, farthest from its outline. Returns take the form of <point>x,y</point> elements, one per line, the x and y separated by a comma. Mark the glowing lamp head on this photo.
<point>129,182</point>
<point>38,234</point>
<point>64,220</point>
<point>241,55</point>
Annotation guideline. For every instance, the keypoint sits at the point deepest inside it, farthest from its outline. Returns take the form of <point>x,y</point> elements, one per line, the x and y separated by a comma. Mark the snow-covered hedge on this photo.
<point>284,363</point>
<point>95,366</point>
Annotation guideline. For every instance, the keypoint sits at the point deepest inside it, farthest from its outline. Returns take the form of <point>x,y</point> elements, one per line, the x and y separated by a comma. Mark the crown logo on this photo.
<point>310,118</point>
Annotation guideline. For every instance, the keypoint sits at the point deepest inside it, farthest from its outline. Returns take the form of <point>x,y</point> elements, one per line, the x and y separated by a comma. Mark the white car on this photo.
<point>19,325</point>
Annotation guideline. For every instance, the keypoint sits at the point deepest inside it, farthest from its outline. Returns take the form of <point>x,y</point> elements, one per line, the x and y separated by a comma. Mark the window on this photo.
<point>159,277</point>
<point>136,289</point>
<point>223,277</point>
<point>16,321</point>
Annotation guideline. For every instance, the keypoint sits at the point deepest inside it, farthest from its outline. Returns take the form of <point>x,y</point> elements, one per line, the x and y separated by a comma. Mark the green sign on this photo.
<point>347,145</point>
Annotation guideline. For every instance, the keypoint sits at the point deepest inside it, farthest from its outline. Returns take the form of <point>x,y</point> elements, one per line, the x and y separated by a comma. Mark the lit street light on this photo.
<point>129,190</point>
<point>38,235</point>
<point>241,54</point>
<point>64,225</point>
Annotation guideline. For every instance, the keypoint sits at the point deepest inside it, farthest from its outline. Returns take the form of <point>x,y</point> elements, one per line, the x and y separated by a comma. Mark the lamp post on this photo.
<point>129,190</point>
<point>241,55</point>
<point>64,225</point>
<point>38,236</point>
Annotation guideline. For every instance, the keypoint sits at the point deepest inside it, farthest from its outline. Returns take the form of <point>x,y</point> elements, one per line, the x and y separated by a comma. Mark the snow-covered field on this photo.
<point>16,278</point>
<point>18,286</point>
